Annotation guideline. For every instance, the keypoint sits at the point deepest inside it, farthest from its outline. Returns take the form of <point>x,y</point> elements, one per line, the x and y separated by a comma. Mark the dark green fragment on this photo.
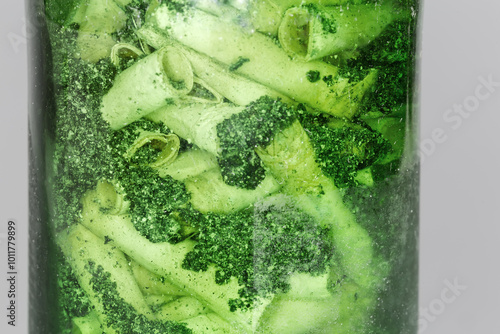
<point>135,12</point>
<point>236,65</point>
<point>180,6</point>
<point>328,24</point>
<point>328,80</point>
<point>241,133</point>
<point>313,76</point>
<point>153,202</point>
<point>146,154</point>
<point>178,85</point>
<point>122,139</point>
<point>341,152</point>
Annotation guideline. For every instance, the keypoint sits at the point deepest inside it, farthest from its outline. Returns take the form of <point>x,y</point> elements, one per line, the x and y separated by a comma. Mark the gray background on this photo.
<point>460,196</point>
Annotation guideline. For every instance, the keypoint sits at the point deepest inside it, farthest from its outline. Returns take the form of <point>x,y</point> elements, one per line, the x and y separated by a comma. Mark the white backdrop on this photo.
<point>460,197</point>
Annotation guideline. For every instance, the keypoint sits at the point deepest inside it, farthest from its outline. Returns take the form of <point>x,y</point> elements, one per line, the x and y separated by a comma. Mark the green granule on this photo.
<point>153,202</point>
<point>146,154</point>
<point>125,61</point>
<point>180,6</point>
<point>353,74</point>
<point>341,152</point>
<point>201,92</point>
<point>169,101</point>
<point>328,80</point>
<point>313,76</point>
<point>328,24</point>
<point>122,139</point>
<point>178,85</point>
<point>135,11</point>
<point>238,63</point>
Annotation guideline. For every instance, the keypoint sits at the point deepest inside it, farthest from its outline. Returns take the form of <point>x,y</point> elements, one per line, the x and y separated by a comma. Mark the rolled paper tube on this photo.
<point>93,47</point>
<point>266,15</point>
<point>152,5</point>
<point>165,260</point>
<point>146,86</point>
<point>197,123</point>
<point>201,91</point>
<point>81,246</point>
<point>236,88</point>
<point>124,52</point>
<point>314,32</point>
<point>291,160</point>
<point>189,164</point>
<point>209,193</point>
<point>265,62</point>
<point>168,145</point>
<point>101,17</point>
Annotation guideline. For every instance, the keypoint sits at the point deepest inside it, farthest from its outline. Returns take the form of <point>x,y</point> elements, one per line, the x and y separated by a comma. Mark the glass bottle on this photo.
<point>230,166</point>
